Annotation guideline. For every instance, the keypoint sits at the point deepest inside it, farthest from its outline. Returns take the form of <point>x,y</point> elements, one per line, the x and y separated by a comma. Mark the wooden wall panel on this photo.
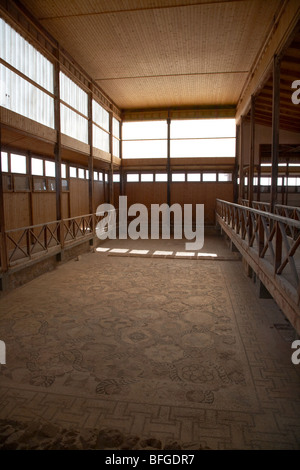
<point>43,208</point>
<point>146,193</point>
<point>202,193</point>
<point>99,196</point>
<point>116,195</point>
<point>79,197</point>
<point>16,209</point>
<point>65,206</point>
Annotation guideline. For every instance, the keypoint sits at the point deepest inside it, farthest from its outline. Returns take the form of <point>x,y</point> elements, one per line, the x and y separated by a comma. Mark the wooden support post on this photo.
<point>258,177</point>
<point>90,162</point>
<point>57,152</point>
<point>287,184</point>
<point>111,168</point>
<point>261,237</point>
<point>4,252</point>
<point>252,152</point>
<point>278,248</point>
<point>122,175</point>
<point>236,166</point>
<point>169,161</point>
<point>241,155</point>
<point>275,130</point>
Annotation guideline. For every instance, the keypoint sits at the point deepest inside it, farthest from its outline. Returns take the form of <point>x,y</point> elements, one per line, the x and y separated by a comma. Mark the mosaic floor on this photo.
<point>170,348</point>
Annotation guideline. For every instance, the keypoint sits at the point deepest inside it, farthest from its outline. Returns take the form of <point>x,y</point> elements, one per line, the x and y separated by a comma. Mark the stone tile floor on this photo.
<point>175,350</point>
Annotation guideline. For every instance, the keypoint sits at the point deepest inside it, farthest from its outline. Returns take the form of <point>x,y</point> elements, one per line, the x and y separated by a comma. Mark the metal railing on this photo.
<point>271,242</point>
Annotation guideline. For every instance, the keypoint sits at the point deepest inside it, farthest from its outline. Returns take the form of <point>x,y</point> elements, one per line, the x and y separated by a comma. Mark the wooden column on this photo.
<point>258,177</point>
<point>111,169</point>
<point>122,175</point>
<point>252,151</point>
<point>236,165</point>
<point>169,160</point>
<point>4,253</point>
<point>275,130</point>
<point>57,150</point>
<point>90,162</point>
<point>287,184</point>
<point>241,160</point>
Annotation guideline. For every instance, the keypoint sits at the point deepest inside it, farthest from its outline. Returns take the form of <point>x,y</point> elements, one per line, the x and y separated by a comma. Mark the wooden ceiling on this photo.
<point>162,53</point>
<point>289,71</point>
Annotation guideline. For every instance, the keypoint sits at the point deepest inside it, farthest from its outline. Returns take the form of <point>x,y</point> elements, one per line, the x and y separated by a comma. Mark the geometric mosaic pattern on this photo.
<point>152,347</point>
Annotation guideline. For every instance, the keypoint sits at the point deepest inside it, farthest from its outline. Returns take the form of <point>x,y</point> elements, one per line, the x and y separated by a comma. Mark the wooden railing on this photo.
<point>76,228</point>
<point>270,243</point>
<point>27,243</point>
<point>291,212</point>
<point>24,243</point>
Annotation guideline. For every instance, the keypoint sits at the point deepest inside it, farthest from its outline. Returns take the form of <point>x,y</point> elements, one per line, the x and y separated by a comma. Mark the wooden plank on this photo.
<point>252,151</point>
<point>4,254</point>
<point>90,158</point>
<point>275,131</point>
<point>111,167</point>
<point>169,161</point>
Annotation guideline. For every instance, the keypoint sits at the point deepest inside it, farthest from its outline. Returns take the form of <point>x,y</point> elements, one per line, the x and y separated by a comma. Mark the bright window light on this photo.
<point>81,174</point>
<point>106,177</point>
<point>18,163</point>
<point>211,255</point>
<point>209,177</point>
<point>119,250</point>
<point>49,168</point>
<point>116,178</point>
<point>293,181</point>
<point>144,130</point>
<point>224,177</point>
<point>4,161</point>
<point>37,167</point>
<point>184,253</point>
<point>100,176</point>
<point>145,149</point>
<point>202,128</point>
<point>132,177</point>
<point>63,170</point>
<point>161,177</point>
<point>194,177</point>
<point>202,148</point>
<point>95,176</point>
<point>178,177</point>
<point>146,177</point>
<point>73,172</point>
<point>264,181</point>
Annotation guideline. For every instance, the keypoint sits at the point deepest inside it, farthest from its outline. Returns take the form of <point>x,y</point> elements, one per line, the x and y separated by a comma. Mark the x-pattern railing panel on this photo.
<point>30,238</point>
<point>267,234</point>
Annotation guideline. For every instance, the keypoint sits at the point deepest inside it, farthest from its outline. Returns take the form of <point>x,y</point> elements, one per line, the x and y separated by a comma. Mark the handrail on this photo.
<point>278,218</point>
<point>30,227</point>
<point>25,242</point>
<point>293,210</point>
<point>270,244</point>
